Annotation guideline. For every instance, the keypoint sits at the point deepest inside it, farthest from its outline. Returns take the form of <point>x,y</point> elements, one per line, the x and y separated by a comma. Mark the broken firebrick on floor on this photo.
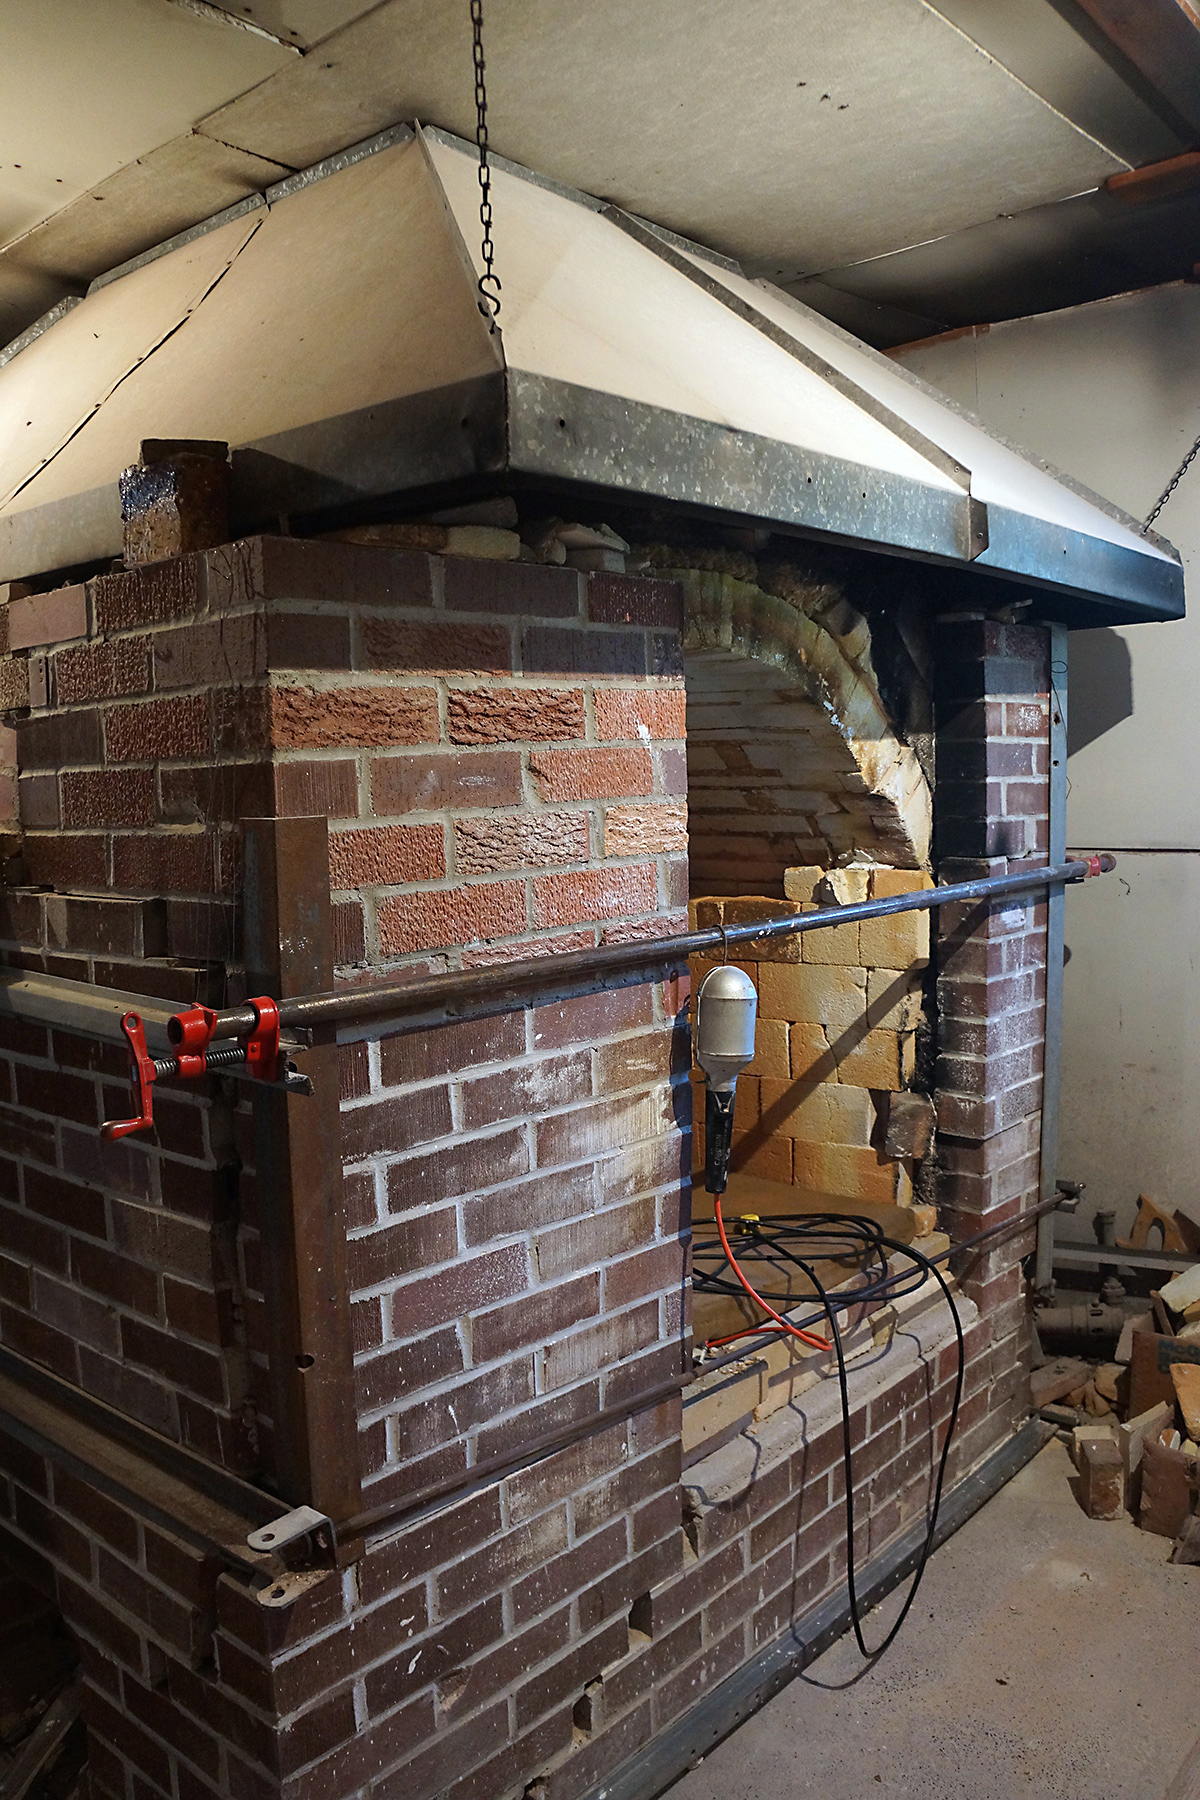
<point>1133,1423</point>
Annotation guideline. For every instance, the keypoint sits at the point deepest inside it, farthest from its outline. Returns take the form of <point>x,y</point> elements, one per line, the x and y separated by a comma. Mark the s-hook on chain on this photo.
<point>489,281</point>
<point>1174,482</point>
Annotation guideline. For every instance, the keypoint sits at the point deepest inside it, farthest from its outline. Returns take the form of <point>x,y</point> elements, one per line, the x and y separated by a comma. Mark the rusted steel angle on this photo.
<point>299,1168</point>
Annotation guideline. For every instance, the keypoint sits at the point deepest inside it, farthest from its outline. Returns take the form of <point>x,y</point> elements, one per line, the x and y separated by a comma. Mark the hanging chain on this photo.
<point>1174,482</point>
<point>489,281</point>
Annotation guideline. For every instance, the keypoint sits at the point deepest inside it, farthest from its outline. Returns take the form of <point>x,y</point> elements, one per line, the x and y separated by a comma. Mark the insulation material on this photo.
<point>52,392</point>
<point>584,303</point>
<point>878,124</point>
<point>350,292</point>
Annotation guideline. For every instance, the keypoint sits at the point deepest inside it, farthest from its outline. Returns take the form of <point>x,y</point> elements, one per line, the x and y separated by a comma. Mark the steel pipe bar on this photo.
<point>463,994</point>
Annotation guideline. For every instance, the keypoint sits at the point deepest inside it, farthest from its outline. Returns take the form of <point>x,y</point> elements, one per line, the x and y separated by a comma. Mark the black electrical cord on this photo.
<point>823,1229</point>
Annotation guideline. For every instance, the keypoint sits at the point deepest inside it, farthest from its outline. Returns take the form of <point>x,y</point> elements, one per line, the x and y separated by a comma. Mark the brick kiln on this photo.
<point>442,1300</point>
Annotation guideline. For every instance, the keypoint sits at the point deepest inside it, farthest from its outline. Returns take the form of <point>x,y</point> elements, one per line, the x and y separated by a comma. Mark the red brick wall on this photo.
<point>993,712</point>
<point>498,749</point>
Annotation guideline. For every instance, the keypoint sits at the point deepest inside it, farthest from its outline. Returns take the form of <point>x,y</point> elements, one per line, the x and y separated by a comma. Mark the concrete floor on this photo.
<point>1047,1655</point>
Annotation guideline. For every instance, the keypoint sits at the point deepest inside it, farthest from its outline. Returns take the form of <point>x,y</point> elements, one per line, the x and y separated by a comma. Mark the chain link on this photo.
<point>1174,482</point>
<point>489,281</point>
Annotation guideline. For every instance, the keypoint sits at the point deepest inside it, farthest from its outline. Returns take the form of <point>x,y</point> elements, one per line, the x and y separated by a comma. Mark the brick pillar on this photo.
<point>991,814</point>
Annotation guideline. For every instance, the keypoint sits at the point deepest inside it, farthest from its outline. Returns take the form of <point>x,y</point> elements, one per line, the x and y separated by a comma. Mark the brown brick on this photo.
<point>537,1317</point>
<point>210,654</point>
<point>592,1017</point>
<point>460,1168</point>
<point>168,862</point>
<point>405,1369</point>
<point>526,1205</point>
<point>550,650</point>
<point>645,830</point>
<point>622,712</point>
<point>533,1087</point>
<point>153,594</point>
<point>444,648</point>
<point>423,1055</point>
<point>296,640</point>
<point>61,740</point>
<point>305,789</point>
<point>466,1286</point>
<point>386,855</point>
<point>478,585</point>
<point>511,715</point>
<point>634,600</point>
<point>349,933</point>
<point>595,894</point>
<point>309,719</point>
<point>37,803</point>
<point>395,1124</point>
<point>77,860</point>
<point>158,730</point>
<point>114,1276</point>
<point>486,846</point>
<point>404,784</point>
<point>108,797</point>
<point>591,774</point>
<point>185,1365</point>
<point>14,683</point>
<point>469,915</point>
<point>396,1250</point>
<point>284,568</point>
<point>584,1242</point>
<point>50,618</point>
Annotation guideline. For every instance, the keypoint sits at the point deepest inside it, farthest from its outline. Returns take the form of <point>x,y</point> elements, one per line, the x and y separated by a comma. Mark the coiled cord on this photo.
<point>836,1236</point>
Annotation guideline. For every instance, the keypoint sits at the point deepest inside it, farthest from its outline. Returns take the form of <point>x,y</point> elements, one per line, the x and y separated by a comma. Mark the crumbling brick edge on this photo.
<point>672,1752</point>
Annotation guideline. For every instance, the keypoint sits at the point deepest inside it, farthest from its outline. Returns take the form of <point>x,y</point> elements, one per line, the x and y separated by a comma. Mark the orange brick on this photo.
<point>893,999</point>
<point>812,1058</point>
<point>886,882</point>
<point>645,830</point>
<point>881,1059</point>
<point>308,718</point>
<point>636,712</point>
<point>591,774</point>
<point>769,1159</point>
<point>771,1055</point>
<point>595,894</point>
<point>898,942</point>
<point>843,1169</point>
<point>386,856</point>
<point>833,995</point>
<point>800,885</point>
<point>438,920</point>
<point>823,1112</point>
<point>832,944</point>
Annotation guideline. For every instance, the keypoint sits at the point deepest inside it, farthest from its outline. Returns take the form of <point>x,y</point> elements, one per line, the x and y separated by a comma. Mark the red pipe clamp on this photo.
<point>191,1033</point>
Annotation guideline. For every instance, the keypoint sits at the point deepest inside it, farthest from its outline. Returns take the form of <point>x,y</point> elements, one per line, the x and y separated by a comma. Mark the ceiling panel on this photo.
<point>789,133</point>
<point>87,86</point>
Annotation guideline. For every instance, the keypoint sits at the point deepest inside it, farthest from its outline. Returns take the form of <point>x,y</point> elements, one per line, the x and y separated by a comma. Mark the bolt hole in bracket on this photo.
<point>260,1056</point>
<point>302,1544</point>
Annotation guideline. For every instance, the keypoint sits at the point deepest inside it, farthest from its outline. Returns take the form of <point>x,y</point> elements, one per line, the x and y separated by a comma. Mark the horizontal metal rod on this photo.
<point>475,991</point>
<point>506,1462</point>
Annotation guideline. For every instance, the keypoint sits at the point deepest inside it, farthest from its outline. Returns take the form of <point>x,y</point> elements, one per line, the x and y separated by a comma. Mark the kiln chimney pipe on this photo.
<point>472,992</point>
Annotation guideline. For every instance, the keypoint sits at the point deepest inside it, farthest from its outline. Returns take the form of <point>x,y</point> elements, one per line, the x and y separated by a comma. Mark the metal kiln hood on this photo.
<point>330,332</point>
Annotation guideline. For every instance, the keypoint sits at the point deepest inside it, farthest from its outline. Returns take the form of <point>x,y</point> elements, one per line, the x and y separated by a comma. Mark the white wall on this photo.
<point>1111,394</point>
